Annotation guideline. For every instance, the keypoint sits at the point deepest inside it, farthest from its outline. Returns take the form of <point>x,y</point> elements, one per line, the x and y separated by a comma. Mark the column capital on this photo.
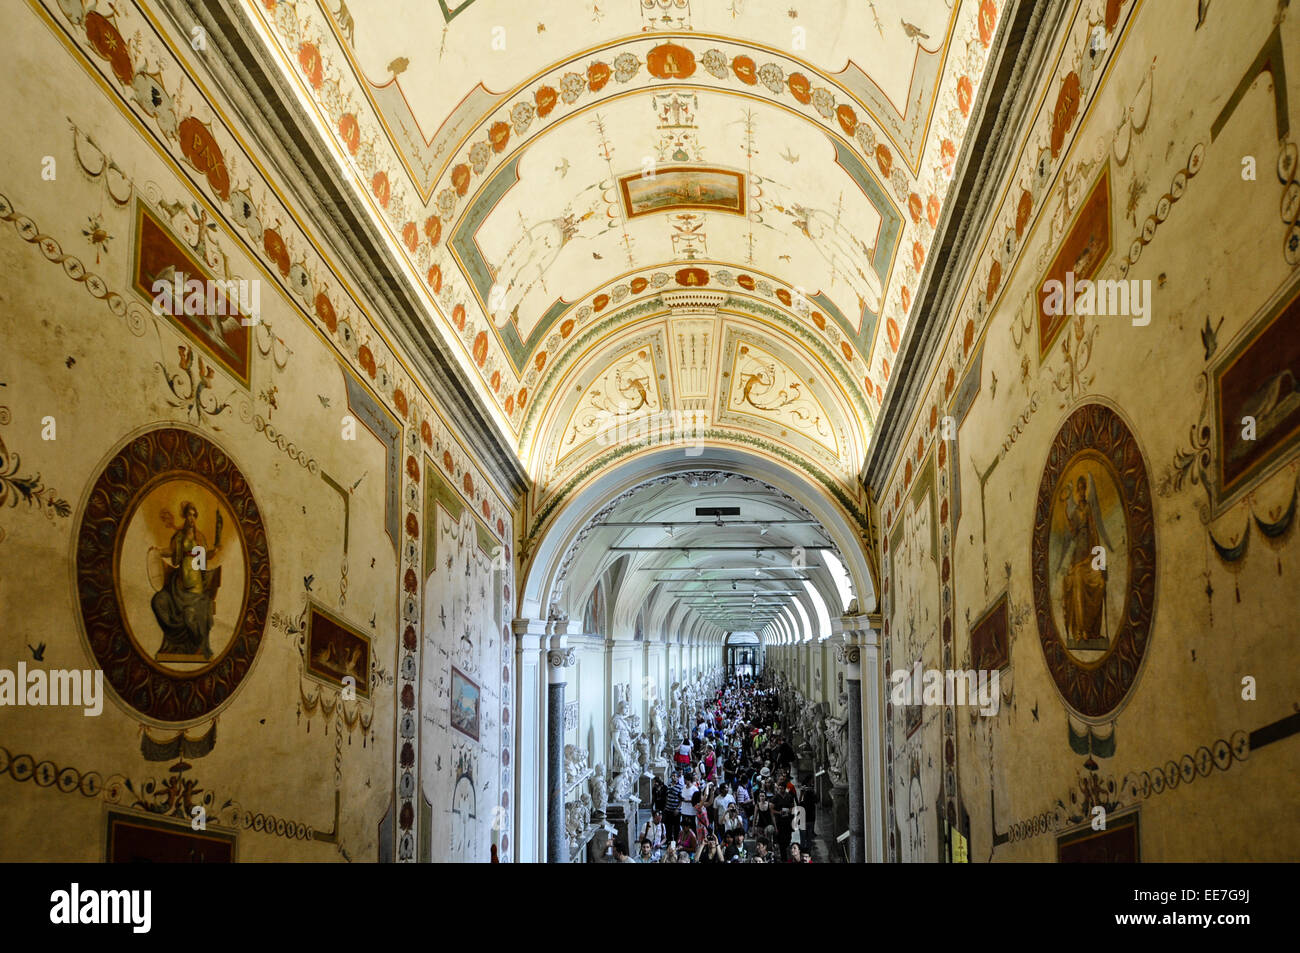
<point>561,658</point>
<point>558,658</point>
<point>848,652</point>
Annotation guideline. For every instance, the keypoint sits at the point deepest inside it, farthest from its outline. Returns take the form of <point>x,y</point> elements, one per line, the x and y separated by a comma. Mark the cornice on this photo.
<point>1023,45</point>
<point>259,94</point>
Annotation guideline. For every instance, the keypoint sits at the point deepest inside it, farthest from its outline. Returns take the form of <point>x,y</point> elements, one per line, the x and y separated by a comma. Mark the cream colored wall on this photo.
<point>103,377</point>
<point>1217,253</point>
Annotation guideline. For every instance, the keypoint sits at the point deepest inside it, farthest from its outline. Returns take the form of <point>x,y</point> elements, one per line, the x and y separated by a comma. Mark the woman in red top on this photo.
<point>688,840</point>
<point>703,823</point>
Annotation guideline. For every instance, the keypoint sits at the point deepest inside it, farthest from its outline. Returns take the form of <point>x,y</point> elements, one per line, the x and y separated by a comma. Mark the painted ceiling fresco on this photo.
<point>553,176</point>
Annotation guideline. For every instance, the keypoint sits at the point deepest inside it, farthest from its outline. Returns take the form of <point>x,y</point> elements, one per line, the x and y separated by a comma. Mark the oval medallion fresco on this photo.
<point>1094,560</point>
<point>173,575</point>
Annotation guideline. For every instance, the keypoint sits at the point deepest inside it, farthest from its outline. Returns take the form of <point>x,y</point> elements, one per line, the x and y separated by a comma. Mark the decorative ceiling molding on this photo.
<point>493,132</point>
<point>263,99</point>
<point>1022,45</point>
<point>688,302</point>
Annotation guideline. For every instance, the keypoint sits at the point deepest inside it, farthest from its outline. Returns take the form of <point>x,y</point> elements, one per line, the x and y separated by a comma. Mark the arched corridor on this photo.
<point>413,415</point>
<point>645,590</point>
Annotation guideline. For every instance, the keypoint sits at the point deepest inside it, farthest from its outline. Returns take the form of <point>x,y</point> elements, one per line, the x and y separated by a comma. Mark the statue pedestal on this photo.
<point>643,787</point>
<point>580,851</point>
<point>840,808</point>
<point>596,846</point>
<point>617,818</point>
<point>804,762</point>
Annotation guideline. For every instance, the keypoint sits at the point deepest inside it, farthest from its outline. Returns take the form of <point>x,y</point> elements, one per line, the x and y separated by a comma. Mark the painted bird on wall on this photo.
<point>1210,336</point>
<point>913,31</point>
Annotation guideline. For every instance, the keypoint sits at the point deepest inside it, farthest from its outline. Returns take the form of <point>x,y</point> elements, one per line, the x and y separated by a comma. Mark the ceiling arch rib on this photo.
<point>714,557</point>
<point>639,388</point>
<point>748,293</point>
<point>744,113</point>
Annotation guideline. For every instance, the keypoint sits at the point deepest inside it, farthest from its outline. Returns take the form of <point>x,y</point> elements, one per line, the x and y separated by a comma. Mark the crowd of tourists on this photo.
<point>732,794</point>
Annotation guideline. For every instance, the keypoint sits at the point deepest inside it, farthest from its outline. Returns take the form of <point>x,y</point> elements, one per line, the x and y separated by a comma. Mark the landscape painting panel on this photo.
<point>1258,380</point>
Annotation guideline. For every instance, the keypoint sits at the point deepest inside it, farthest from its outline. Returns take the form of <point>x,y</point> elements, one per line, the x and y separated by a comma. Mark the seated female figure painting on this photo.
<point>186,603</point>
<point>1089,544</point>
<point>182,610</point>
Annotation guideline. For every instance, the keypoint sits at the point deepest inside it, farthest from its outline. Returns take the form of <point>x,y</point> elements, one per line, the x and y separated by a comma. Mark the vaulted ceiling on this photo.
<point>644,212</point>
<point>709,549</point>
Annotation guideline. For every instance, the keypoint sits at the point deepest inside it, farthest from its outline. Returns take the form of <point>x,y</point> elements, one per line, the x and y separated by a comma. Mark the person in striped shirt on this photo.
<point>673,806</point>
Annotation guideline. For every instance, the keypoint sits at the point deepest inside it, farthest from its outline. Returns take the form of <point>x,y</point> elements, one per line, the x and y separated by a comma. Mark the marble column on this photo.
<point>850,655</point>
<point>873,736</point>
<point>558,660</point>
<point>530,745</point>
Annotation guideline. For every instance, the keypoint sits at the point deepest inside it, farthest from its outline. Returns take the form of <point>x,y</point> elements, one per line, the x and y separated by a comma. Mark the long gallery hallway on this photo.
<point>744,786</point>
<point>449,432</point>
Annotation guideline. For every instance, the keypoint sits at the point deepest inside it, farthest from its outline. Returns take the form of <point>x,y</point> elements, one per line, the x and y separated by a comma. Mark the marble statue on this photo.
<point>621,740</point>
<point>657,732</point>
<point>837,743</point>
<point>623,785</point>
<point>680,723</point>
<point>599,791</point>
<point>577,817</point>
<point>817,732</point>
<point>643,755</point>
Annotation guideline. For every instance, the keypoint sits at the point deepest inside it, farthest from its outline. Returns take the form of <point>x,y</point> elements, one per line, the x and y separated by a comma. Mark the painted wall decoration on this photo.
<point>184,194</point>
<point>465,764</point>
<point>628,389</point>
<point>1117,844</point>
<point>762,385</point>
<point>464,703</point>
<point>1177,191</point>
<point>161,257</point>
<point>173,575</point>
<point>336,650</point>
<point>683,187</point>
<point>914,735</point>
<point>1258,379</point>
<point>1082,253</point>
<point>593,613</point>
<point>990,638</point>
<point>133,839</point>
<point>464,843</point>
<point>1094,561</point>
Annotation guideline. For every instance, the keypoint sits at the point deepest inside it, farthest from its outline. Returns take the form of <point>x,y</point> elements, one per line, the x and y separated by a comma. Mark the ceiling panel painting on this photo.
<point>549,173</point>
